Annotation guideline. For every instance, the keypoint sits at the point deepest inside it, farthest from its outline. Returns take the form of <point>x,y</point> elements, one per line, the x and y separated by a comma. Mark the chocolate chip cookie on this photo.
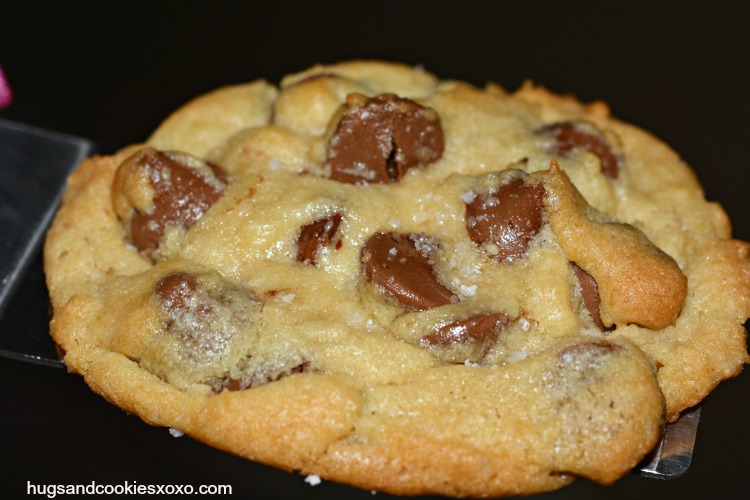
<point>402,283</point>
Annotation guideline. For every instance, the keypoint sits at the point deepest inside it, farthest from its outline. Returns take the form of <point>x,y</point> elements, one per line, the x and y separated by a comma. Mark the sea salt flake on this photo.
<point>468,197</point>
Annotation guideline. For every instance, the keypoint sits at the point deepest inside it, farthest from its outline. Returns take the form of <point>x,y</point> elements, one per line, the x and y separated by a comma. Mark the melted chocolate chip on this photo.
<point>315,236</point>
<point>263,376</point>
<point>177,293</point>
<point>573,135</point>
<point>481,330</point>
<point>175,290</point>
<point>188,315</point>
<point>589,294</point>
<point>589,352</point>
<point>219,172</point>
<point>508,217</point>
<point>400,265</point>
<point>379,139</point>
<point>202,315</point>
<point>181,196</point>
<point>581,363</point>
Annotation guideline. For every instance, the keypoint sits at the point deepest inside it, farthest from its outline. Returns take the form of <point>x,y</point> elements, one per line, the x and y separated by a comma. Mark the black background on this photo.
<point>112,71</point>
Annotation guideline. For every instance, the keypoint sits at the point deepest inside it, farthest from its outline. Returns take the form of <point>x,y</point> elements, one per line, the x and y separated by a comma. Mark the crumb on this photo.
<point>313,480</point>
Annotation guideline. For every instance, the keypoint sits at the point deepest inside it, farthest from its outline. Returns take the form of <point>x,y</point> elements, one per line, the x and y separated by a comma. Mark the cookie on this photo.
<point>402,283</point>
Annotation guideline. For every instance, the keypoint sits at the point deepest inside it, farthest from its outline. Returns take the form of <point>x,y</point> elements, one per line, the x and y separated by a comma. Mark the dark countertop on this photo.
<point>112,73</point>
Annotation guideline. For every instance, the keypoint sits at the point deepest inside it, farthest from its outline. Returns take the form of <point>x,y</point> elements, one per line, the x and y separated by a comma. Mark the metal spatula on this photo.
<point>672,456</point>
<point>35,164</point>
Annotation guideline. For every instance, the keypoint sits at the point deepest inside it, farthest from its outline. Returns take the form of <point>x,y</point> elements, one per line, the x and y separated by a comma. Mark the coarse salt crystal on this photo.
<point>468,197</point>
<point>176,433</point>
<point>525,324</point>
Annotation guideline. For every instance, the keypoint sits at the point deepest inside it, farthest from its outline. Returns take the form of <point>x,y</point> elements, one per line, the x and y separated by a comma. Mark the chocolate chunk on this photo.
<point>574,135</point>
<point>588,353</point>
<point>315,236</point>
<point>264,376</point>
<point>178,294</point>
<point>176,290</point>
<point>479,333</point>
<point>379,139</point>
<point>589,294</point>
<point>508,217</point>
<point>182,194</point>
<point>219,172</point>
<point>203,313</point>
<point>400,265</point>
<point>582,363</point>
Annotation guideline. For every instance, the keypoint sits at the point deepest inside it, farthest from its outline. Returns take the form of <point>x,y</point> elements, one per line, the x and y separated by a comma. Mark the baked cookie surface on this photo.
<point>368,268</point>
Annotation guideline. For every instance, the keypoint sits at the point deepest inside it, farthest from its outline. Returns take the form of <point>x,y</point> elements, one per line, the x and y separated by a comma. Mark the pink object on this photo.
<point>6,96</point>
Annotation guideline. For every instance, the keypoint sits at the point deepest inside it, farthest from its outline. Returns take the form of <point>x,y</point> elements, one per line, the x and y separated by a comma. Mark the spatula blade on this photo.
<point>34,166</point>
